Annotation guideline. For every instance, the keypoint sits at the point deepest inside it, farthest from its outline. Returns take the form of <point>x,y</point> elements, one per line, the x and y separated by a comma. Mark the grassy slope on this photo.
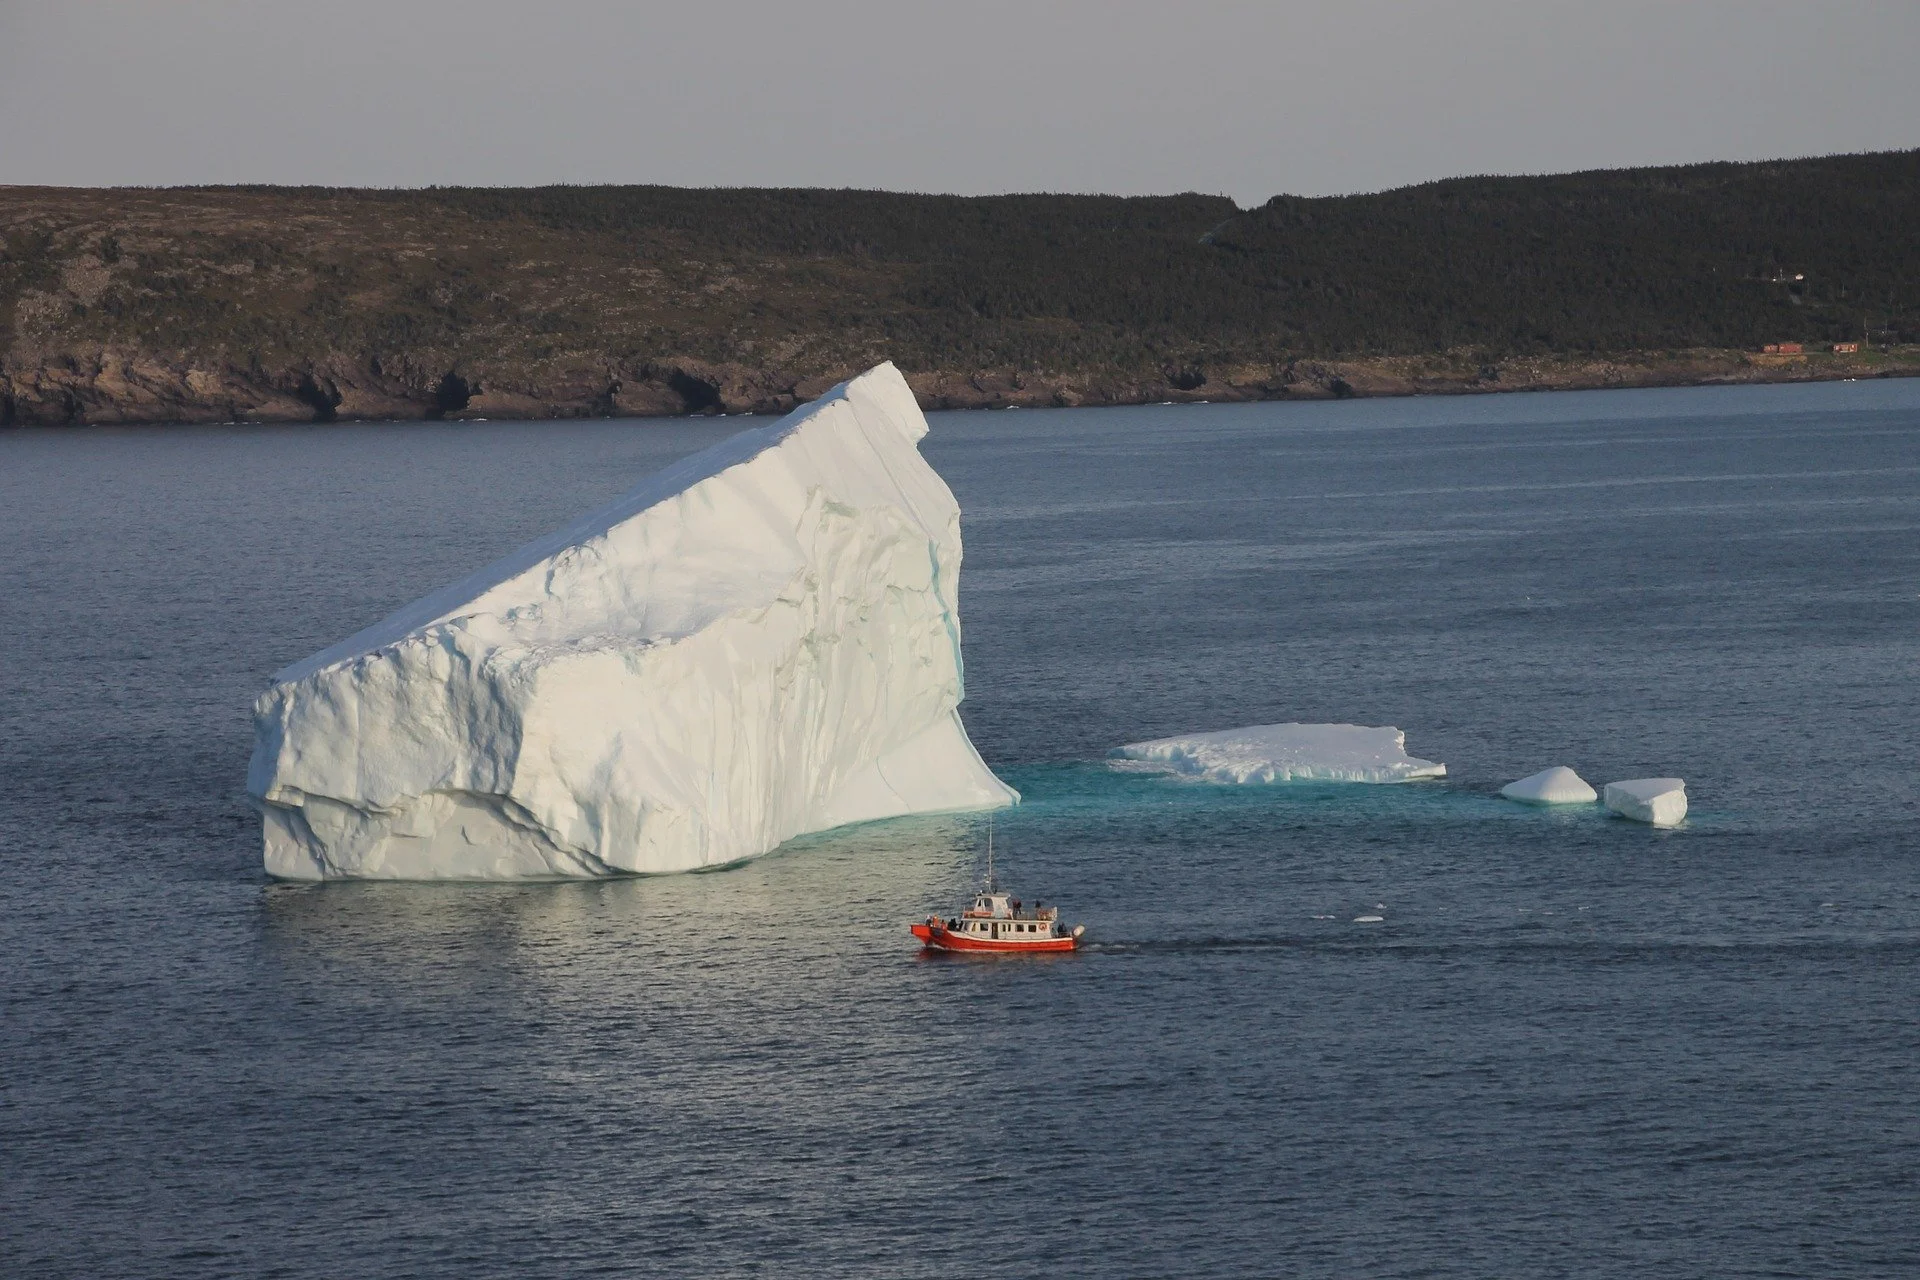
<point>582,299</point>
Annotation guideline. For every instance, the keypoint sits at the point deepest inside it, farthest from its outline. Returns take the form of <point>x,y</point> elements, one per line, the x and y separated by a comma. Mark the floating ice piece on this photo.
<point>1558,785</point>
<point>1661,801</point>
<point>1368,919</point>
<point>761,641</point>
<point>1287,752</point>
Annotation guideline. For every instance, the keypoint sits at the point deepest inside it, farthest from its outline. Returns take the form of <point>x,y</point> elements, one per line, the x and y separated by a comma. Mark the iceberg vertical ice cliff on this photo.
<point>1660,801</point>
<point>761,641</point>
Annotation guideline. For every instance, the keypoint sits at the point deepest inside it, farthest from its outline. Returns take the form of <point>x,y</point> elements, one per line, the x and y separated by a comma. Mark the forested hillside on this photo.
<point>250,303</point>
<point>1704,256</point>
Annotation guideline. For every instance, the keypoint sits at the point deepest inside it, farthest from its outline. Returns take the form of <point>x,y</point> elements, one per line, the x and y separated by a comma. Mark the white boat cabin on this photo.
<point>999,915</point>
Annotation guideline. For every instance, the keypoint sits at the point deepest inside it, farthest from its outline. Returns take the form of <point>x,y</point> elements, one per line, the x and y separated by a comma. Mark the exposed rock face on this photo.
<point>115,387</point>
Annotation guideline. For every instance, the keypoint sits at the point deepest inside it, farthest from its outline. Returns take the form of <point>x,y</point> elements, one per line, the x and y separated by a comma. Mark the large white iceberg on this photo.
<point>1558,785</point>
<point>1287,752</point>
<point>1660,801</point>
<point>761,641</point>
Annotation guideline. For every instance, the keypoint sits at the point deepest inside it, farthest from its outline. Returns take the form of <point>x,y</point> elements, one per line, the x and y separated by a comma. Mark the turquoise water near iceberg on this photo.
<point>1571,1045</point>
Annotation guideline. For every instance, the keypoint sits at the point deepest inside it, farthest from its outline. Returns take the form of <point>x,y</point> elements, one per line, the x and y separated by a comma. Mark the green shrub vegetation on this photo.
<point>1718,255</point>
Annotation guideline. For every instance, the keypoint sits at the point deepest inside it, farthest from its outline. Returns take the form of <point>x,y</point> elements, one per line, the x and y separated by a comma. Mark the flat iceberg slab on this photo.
<point>761,641</point>
<point>1558,785</point>
<point>1661,801</point>
<point>1288,752</point>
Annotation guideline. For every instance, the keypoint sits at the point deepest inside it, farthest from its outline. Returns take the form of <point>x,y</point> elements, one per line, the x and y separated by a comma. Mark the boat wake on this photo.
<point>1169,945</point>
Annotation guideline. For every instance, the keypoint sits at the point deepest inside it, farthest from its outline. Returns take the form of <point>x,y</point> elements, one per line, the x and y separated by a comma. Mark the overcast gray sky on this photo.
<point>1070,95</point>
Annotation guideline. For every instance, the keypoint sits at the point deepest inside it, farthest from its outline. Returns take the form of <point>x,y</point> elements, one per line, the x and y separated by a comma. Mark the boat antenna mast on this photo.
<point>989,853</point>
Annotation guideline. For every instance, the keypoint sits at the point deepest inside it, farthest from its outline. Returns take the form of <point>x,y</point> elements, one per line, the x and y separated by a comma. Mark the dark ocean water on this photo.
<point>1573,1047</point>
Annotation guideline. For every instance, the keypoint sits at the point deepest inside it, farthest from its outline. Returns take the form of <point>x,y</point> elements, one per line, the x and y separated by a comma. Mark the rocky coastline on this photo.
<point>258,304</point>
<point>112,387</point>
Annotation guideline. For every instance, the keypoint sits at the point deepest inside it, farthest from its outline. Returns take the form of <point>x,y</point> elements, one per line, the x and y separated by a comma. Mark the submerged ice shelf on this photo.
<point>759,642</point>
<point>1287,752</point>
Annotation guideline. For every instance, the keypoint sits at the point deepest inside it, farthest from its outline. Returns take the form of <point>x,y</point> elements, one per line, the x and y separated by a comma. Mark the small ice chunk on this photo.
<point>1661,801</point>
<point>1368,919</point>
<point>1288,752</point>
<point>1558,785</point>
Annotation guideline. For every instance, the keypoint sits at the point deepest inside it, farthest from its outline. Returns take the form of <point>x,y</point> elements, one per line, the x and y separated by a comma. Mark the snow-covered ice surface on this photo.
<point>1661,801</point>
<point>1288,752</point>
<point>759,642</point>
<point>1558,785</point>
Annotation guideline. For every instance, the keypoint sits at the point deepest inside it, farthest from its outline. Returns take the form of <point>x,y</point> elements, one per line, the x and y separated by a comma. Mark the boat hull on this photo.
<point>939,939</point>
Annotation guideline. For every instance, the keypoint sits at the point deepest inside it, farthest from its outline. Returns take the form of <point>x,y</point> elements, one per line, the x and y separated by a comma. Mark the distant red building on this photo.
<point>1782,349</point>
<point>1846,348</point>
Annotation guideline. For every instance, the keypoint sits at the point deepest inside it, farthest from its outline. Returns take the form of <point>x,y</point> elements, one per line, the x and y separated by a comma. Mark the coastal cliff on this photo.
<point>112,387</point>
<point>301,305</point>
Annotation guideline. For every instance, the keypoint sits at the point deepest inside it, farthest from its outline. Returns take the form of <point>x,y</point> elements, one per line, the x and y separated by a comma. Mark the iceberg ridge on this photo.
<point>761,641</point>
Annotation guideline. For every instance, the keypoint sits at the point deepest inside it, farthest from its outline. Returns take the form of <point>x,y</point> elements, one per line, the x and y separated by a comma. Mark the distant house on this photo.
<point>1846,348</point>
<point>1782,349</point>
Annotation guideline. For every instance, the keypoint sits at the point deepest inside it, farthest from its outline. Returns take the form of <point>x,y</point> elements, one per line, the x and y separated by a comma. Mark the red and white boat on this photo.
<point>996,922</point>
